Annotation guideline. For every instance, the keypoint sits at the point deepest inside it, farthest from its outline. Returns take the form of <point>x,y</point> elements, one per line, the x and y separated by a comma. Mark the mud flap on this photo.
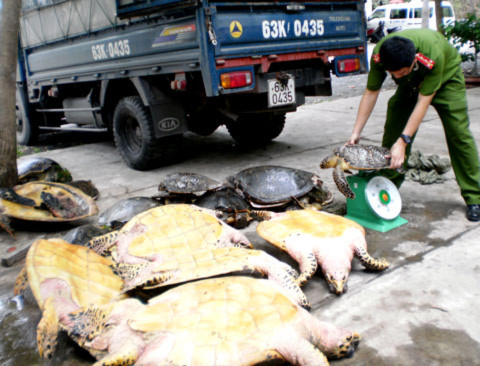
<point>168,115</point>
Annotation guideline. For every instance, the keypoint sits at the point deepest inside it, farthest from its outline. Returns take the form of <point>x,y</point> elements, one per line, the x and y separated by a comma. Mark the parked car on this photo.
<point>396,17</point>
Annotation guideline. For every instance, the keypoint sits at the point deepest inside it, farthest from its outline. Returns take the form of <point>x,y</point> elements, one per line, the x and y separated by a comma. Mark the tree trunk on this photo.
<point>9,25</point>
<point>439,14</point>
<point>425,14</point>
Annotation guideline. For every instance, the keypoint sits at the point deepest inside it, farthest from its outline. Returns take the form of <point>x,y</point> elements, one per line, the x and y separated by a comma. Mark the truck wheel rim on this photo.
<point>133,135</point>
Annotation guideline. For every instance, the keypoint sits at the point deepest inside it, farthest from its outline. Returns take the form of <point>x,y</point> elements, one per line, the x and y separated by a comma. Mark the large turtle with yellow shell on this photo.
<point>223,321</point>
<point>64,278</point>
<point>357,157</point>
<point>44,202</point>
<point>315,238</point>
<point>177,243</point>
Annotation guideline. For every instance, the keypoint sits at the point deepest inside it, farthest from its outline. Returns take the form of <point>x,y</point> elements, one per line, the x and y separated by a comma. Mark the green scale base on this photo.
<point>359,210</point>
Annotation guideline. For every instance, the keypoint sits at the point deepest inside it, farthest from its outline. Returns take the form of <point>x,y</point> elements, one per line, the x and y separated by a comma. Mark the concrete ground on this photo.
<point>423,310</point>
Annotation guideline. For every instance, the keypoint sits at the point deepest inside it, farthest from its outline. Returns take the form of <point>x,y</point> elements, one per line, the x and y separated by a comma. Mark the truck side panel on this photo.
<point>126,50</point>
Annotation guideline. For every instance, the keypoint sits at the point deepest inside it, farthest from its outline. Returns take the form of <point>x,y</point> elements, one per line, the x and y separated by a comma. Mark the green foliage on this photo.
<point>20,153</point>
<point>466,31</point>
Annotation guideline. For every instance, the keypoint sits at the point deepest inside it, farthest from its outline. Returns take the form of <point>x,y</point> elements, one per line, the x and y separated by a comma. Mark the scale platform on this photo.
<point>377,203</point>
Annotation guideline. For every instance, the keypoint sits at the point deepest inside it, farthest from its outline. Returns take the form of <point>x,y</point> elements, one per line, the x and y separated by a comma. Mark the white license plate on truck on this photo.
<point>281,93</point>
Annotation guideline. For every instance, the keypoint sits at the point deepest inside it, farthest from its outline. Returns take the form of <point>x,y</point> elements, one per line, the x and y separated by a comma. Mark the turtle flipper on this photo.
<point>308,266</point>
<point>102,243</point>
<point>87,323</point>
<point>21,282</point>
<point>5,224</point>
<point>126,357</point>
<point>281,273</point>
<point>335,342</point>
<point>298,350</point>
<point>369,262</point>
<point>341,182</point>
<point>9,194</point>
<point>139,275</point>
<point>60,206</point>
<point>47,330</point>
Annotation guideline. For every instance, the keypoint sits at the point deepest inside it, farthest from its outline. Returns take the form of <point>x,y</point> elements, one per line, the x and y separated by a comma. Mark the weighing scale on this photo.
<point>377,203</point>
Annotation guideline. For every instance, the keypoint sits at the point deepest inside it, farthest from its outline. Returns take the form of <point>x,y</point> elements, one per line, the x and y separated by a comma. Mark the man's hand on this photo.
<point>353,140</point>
<point>397,154</point>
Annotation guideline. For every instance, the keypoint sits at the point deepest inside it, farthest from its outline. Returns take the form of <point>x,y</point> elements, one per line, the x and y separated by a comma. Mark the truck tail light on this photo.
<point>348,65</point>
<point>236,79</point>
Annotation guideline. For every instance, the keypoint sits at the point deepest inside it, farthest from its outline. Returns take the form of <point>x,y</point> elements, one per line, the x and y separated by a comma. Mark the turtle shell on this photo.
<point>51,202</point>
<point>229,204</point>
<point>122,211</point>
<point>81,235</point>
<point>274,184</point>
<point>316,224</point>
<point>363,157</point>
<point>38,168</point>
<point>174,228</point>
<point>223,320</point>
<point>88,275</point>
<point>187,183</point>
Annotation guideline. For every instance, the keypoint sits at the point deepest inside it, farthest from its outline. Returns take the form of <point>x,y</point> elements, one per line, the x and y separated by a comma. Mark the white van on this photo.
<point>408,15</point>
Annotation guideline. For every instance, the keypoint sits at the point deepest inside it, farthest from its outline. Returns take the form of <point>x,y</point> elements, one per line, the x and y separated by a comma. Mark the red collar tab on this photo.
<point>376,58</point>
<point>425,61</point>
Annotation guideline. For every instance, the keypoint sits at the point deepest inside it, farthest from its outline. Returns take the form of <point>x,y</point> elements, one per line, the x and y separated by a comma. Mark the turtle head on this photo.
<point>328,162</point>
<point>337,281</point>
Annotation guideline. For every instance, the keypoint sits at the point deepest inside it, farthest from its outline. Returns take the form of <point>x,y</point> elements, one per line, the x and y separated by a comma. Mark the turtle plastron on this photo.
<point>222,321</point>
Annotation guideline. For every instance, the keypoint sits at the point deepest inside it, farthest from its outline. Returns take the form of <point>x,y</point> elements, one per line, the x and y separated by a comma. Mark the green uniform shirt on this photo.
<point>428,43</point>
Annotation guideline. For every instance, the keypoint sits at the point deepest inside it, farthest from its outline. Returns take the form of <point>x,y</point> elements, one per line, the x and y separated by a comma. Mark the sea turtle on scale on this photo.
<point>270,186</point>
<point>357,157</point>
<point>222,321</point>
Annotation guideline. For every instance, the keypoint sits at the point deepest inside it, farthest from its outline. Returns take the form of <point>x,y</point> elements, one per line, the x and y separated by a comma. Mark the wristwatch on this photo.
<point>406,138</point>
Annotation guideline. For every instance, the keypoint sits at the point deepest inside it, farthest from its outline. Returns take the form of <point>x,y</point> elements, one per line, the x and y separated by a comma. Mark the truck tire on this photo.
<point>256,129</point>
<point>134,136</point>
<point>27,132</point>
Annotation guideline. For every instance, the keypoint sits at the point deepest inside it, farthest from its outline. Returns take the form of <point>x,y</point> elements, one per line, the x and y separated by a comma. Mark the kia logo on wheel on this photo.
<point>168,124</point>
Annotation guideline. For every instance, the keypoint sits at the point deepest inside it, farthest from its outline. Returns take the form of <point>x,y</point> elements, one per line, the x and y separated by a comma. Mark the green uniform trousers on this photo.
<point>451,104</point>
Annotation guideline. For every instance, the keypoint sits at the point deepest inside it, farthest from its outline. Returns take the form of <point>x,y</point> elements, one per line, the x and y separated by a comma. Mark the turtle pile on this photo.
<point>170,279</point>
<point>91,293</point>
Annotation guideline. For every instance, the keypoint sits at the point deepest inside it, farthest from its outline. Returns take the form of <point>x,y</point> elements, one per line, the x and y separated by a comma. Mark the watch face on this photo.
<point>383,198</point>
<point>406,138</point>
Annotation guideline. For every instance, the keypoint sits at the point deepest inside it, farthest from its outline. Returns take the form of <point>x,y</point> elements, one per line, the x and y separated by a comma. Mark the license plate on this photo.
<point>281,93</point>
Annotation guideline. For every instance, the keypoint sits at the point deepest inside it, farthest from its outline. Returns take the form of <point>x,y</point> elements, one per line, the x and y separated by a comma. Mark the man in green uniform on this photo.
<point>427,70</point>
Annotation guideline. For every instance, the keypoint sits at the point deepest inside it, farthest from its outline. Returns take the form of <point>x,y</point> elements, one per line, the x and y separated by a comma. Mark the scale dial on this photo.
<point>383,198</point>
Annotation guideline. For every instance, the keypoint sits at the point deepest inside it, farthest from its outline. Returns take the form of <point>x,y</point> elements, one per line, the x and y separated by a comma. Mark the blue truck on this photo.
<point>150,70</point>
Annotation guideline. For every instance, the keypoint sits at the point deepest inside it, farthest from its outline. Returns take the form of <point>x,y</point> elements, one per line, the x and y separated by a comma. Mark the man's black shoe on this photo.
<point>473,212</point>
